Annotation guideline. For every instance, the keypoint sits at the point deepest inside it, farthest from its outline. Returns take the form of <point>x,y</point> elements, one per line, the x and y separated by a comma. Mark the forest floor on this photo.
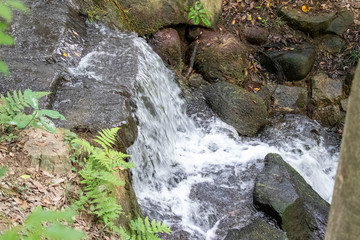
<point>24,187</point>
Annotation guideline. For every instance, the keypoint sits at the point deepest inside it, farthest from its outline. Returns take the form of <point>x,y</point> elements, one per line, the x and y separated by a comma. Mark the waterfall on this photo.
<point>192,170</point>
<point>189,169</point>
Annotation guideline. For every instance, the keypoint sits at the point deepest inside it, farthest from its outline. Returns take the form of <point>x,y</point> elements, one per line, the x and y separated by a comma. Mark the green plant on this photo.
<point>3,171</point>
<point>6,18</point>
<point>100,176</point>
<point>12,111</point>
<point>197,12</point>
<point>142,229</point>
<point>278,22</point>
<point>41,224</point>
<point>8,138</point>
<point>354,56</point>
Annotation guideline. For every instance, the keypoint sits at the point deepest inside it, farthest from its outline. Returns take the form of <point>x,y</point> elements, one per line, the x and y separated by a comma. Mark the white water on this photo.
<point>196,173</point>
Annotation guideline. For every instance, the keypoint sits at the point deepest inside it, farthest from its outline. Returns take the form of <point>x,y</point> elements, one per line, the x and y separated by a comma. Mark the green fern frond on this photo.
<point>110,178</point>
<point>84,145</point>
<point>107,137</point>
<point>143,229</point>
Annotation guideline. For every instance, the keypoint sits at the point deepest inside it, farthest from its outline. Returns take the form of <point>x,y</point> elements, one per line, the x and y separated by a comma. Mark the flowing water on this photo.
<point>192,170</point>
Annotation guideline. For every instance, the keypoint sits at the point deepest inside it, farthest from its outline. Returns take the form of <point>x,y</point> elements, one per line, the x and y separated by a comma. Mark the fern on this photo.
<point>99,175</point>
<point>142,229</point>
<point>12,109</point>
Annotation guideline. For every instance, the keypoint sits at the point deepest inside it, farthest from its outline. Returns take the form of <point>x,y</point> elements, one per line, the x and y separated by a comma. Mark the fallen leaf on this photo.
<point>76,54</point>
<point>65,55</point>
<point>233,22</point>
<point>25,176</point>
<point>75,33</point>
<point>305,9</point>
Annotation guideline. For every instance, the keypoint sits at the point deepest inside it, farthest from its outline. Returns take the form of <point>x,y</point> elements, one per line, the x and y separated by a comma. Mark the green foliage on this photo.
<point>144,230</point>
<point>8,138</point>
<point>13,107</point>
<point>47,224</point>
<point>100,176</point>
<point>5,20</point>
<point>3,171</point>
<point>354,56</point>
<point>197,12</point>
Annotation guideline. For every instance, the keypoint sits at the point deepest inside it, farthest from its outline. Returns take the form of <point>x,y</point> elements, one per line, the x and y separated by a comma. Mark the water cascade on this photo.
<point>190,169</point>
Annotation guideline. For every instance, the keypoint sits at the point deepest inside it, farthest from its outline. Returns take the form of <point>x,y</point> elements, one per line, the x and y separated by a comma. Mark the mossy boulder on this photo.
<point>166,43</point>
<point>147,16</point>
<point>327,116</point>
<point>325,90</point>
<point>289,98</point>
<point>282,193</point>
<point>243,110</point>
<point>259,230</point>
<point>221,56</point>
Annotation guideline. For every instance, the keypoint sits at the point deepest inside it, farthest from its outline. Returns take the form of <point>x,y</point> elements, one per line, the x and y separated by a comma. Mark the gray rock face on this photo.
<point>335,22</point>
<point>167,44</point>
<point>282,193</point>
<point>259,230</point>
<point>325,90</point>
<point>295,63</point>
<point>243,110</point>
<point>221,56</point>
<point>289,99</point>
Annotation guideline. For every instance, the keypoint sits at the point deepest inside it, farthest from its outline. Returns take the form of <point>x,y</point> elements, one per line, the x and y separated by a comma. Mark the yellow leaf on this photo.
<point>25,176</point>
<point>259,18</point>
<point>64,54</point>
<point>233,22</point>
<point>256,89</point>
<point>305,8</point>
<point>76,54</point>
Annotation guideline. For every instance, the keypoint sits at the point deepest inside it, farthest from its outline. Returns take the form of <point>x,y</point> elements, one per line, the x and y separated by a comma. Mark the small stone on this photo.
<point>256,35</point>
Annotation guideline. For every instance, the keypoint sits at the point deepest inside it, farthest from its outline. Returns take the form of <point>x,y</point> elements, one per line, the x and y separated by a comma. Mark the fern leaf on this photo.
<point>107,137</point>
<point>110,178</point>
<point>85,145</point>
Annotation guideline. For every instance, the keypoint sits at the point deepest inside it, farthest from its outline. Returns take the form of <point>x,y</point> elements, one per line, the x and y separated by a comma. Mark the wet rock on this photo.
<point>344,104</point>
<point>341,22</point>
<point>256,35</point>
<point>282,193</point>
<point>332,43</point>
<point>243,110</point>
<point>221,56</point>
<point>324,89</point>
<point>166,43</point>
<point>196,80</point>
<point>147,16</point>
<point>265,94</point>
<point>335,22</point>
<point>259,230</point>
<point>289,98</point>
<point>48,151</point>
<point>327,116</point>
<point>295,62</point>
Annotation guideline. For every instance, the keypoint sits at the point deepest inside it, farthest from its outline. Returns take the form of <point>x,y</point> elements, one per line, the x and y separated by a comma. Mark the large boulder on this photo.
<point>282,193</point>
<point>289,98</point>
<point>243,110</point>
<point>259,230</point>
<point>295,62</point>
<point>256,35</point>
<point>221,56</point>
<point>328,116</point>
<point>331,22</point>
<point>324,89</point>
<point>147,16</point>
<point>167,44</point>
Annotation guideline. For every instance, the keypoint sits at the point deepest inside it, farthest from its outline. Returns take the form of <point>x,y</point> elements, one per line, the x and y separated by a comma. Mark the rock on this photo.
<point>295,62</point>
<point>283,194</point>
<point>327,116</point>
<point>243,110</point>
<point>314,24</point>
<point>48,151</point>
<point>332,43</point>
<point>147,16</point>
<point>334,22</point>
<point>344,104</point>
<point>259,230</point>
<point>196,80</point>
<point>289,99</point>
<point>221,56</point>
<point>325,90</point>
<point>256,35</point>
<point>166,43</point>
<point>341,22</point>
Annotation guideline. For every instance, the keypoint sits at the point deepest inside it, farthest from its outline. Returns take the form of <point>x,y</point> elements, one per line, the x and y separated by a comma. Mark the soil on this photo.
<point>240,14</point>
<point>24,187</point>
